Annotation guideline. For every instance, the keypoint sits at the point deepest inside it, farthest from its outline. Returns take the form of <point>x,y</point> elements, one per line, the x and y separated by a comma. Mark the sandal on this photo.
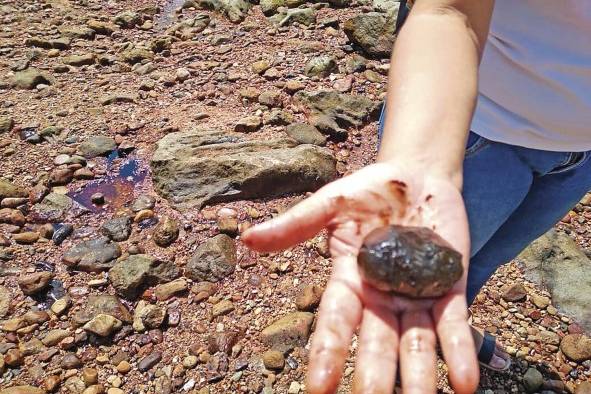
<point>488,350</point>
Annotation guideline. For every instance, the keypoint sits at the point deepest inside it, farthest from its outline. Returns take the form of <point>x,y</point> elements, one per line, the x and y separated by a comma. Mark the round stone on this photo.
<point>409,261</point>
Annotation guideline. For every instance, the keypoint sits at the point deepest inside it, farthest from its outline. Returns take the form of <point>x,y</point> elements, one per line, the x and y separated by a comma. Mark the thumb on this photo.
<point>298,224</point>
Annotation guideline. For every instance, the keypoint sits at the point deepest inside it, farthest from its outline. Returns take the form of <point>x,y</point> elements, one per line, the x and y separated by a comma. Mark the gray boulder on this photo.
<point>555,261</point>
<point>131,276</point>
<point>373,32</point>
<point>199,167</point>
<point>96,146</point>
<point>53,208</point>
<point>213,260</point>
<point>94,255</point>
<point>30,78</point>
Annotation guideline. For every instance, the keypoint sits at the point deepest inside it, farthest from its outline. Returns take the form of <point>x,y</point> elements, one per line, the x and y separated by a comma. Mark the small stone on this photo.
<point>94,389</point>
<point>167,290</point>
<point>60,177</point>
<point>305,134</point>
<point>14,358</point>
<point>123,367</point>
<point>54,337</point>
<point>222,308</point>
<point>131,276</point>
<point>35,282</point>
<point>94,255</point>
<point>22,390</point>
<point>118,229</point>
<point>409,261</point>
<point>294,388</point>
<point>166,232</point>
<point>260,66</point>
<point>5,299</point>
<point>182,74</point>
<point>540,301</point>
<point>103,325</point>
<point>90,376</point>
<point>144,214</point>
<point>149,361</point>
<point>190,362</point>
<point>213,260</point>
<point>228,225</point>
<point>12,216</point>
<point>26,238</point>
<point>273,360</point>
<point>321,66</point>
<point>288,332</point>
<point>51,383</point>
<point>513,292</point>
<point>532,380</point>
<point>96,146</point>
<point>143,202</point>
<point>147,316</point>
<point>71,361</point>
<point>248,124</point>
<point>309,298</point>
<point>6,124</point>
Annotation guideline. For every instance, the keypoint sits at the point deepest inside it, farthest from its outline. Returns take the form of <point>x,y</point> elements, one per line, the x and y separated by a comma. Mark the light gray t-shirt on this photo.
<point>535,76</point>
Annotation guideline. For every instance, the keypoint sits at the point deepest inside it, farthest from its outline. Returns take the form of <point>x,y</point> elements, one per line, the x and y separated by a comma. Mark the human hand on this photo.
<point>393,330</point>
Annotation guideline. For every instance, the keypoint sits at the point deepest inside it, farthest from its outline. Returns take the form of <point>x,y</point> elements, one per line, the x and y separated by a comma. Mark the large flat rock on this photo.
<point>199,167</point>
<point>556,262</point>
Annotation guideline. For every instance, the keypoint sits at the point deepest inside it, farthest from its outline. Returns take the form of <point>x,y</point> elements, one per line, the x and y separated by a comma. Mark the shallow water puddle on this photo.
<point>167,16</point>
<point>117,188</point>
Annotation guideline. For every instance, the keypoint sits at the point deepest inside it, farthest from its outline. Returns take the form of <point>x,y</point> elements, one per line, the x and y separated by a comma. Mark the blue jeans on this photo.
<point>513,195</point>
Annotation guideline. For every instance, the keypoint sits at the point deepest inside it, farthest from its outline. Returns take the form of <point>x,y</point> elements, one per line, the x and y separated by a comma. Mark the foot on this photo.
<point>500,359</point>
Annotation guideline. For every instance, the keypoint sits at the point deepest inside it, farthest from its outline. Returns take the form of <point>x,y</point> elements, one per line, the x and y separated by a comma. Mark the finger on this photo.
<point>375,366</point>
<point>339,314</point>
<point>451,319</point>
<point>298,224</point>
<point>417,353</point>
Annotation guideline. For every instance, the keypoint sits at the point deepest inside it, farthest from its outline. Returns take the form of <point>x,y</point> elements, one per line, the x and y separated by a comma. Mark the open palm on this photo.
<point>393,330</point>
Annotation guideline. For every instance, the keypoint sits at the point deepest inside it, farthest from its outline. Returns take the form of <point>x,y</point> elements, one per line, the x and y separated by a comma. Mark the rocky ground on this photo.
<point>138,140</point>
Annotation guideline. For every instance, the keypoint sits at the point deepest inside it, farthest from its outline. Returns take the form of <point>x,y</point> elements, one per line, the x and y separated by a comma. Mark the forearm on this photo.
<point>433,87</point>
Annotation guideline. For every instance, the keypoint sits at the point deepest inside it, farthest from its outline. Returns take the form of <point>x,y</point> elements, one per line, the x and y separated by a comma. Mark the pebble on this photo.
<point>90,376</point>
<point>273,360</point>
<point>190,362</point>
<point>149,361</point>
<point>123,367</point>
<point>35,282</point>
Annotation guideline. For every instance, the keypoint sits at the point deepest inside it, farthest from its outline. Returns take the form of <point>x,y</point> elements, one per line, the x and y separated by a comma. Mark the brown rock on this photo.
<point>60,177</point>
<point>222,308</point>
<point>51,383</point>
<point>167,290</point>
<point>576,347</point>
<point>90,376</point>
<point>166,232</point>
<point>35,282</point>
<point>14,358</point>
<point>12,216</point>
<point>513,292</point>
<point>22,390</point>
<point>288,332</point>
<point>309,298</point>
<point>26,238</point>
<point>583,388</point>
<point>273,360</point>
